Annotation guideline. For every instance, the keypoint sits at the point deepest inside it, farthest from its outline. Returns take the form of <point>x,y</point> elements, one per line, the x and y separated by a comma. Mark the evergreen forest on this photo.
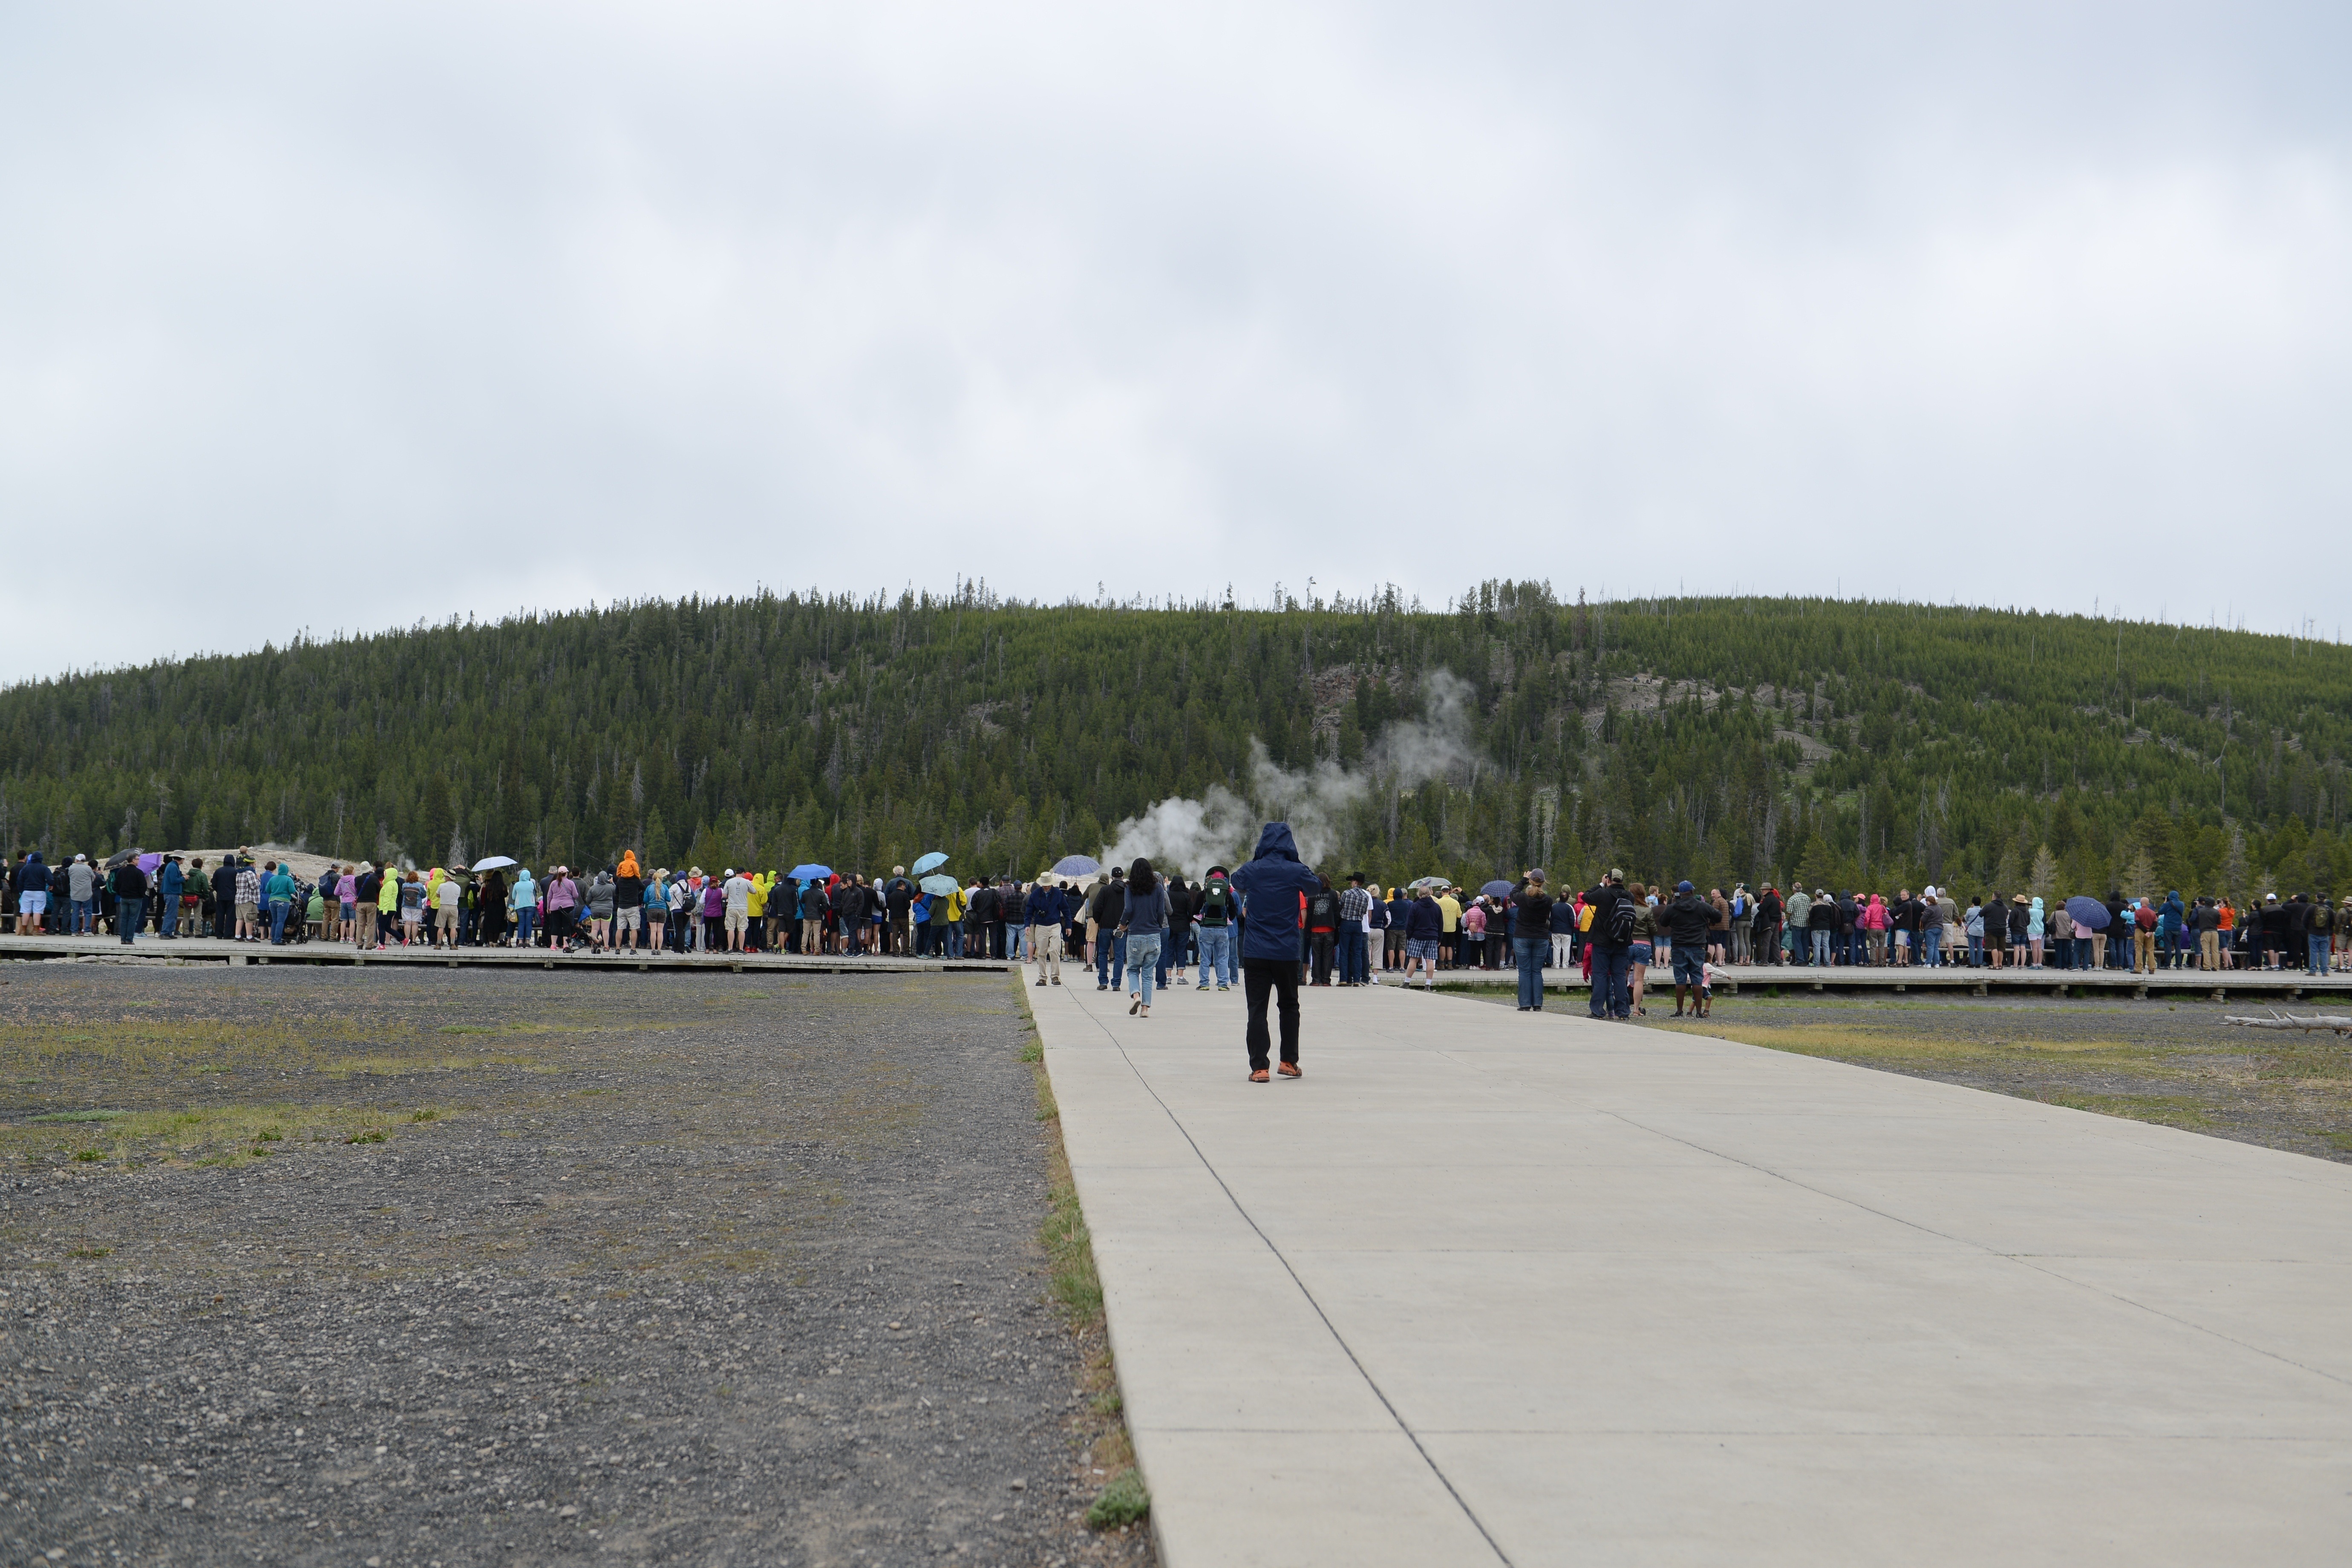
<point>1827,743</point>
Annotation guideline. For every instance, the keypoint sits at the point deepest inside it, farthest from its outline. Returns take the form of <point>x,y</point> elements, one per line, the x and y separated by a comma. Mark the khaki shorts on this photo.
<point>248,912</point>
<point>627,918</point>
<point>449,917</point>
<point>737,920</point>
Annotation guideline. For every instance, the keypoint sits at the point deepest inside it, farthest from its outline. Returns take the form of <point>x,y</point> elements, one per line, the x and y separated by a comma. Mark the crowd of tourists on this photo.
<point>1351,933</point>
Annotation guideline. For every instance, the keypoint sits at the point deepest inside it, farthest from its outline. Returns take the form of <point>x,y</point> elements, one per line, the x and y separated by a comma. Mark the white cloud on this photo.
<point>343,317</point>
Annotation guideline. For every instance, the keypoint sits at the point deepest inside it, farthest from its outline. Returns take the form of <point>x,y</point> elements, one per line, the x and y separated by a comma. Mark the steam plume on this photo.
<point>1221,828</point>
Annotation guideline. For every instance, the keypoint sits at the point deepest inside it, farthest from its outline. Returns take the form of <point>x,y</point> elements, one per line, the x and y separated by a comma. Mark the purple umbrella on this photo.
<point>2088,913</point>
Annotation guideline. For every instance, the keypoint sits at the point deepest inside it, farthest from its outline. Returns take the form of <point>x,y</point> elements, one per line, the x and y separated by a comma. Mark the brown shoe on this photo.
<point>1289,1069</point>
<point>1261,1076</point>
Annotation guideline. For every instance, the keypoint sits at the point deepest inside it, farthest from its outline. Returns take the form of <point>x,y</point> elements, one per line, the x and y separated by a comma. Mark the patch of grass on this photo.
<point>79,1116</point>
<point>1122,1502</point>
<point>90,1252</point>
<point>373,1135</point>
<point>89,1153</point>
<point>1069,1247</point>
<point>210,1134</point>
<point>426,1114</point>
<point>1034,1051</point>
<point>2168,1110</point>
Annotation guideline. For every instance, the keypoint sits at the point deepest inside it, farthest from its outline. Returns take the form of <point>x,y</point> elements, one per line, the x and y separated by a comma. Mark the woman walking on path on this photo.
<point>1145,928</point>
<point>1270,889</point>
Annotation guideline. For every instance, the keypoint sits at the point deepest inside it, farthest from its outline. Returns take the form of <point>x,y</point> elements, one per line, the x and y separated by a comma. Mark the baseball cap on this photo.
<point>1682,887</point>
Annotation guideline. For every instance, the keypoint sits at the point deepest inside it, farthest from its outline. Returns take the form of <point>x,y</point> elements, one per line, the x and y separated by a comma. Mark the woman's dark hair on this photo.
<point>1139,878</point>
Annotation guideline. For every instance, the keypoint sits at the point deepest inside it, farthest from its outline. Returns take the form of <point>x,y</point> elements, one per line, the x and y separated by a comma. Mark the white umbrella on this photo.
<point>494,863</point>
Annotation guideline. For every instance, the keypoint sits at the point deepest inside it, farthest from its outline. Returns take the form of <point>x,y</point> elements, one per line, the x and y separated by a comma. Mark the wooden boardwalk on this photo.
<point>1787,980</point>
<point>206,950</point>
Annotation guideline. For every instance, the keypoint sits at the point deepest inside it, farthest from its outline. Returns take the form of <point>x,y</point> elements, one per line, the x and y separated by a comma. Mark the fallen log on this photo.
<point>2334,1023</point>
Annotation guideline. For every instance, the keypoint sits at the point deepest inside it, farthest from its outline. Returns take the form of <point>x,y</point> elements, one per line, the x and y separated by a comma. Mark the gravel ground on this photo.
<point>440,1269</point>
<point>2173,1062</point>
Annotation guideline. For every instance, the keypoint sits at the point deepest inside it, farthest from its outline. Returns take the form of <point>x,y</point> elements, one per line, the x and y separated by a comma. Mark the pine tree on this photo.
<point>2042,881</point>
<point>2136,877</point>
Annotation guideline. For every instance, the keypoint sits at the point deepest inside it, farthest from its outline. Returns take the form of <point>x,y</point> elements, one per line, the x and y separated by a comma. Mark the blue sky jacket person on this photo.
<point>1272,888</point>
<point>1269,887</point>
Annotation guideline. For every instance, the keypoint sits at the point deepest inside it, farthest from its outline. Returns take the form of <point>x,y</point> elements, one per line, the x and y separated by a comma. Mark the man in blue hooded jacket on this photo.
<point>1272,890</point>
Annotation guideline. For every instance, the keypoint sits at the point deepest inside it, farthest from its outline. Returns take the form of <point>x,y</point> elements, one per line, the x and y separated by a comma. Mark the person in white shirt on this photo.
<point>738,889</point>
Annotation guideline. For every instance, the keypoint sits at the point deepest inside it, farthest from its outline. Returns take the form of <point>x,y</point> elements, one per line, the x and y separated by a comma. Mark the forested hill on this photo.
<point>1830,743</point>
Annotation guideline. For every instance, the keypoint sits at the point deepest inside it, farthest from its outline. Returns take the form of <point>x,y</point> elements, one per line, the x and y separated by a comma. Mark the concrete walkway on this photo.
<point>1487,1287</point>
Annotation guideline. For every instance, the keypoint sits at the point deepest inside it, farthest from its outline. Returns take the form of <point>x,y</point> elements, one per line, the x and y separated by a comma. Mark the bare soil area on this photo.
<point>377,1267</point>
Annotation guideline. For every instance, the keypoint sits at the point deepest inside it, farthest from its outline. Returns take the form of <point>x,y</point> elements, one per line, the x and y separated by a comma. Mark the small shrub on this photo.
<point>1122,1502</point>
<point>89,1153</point>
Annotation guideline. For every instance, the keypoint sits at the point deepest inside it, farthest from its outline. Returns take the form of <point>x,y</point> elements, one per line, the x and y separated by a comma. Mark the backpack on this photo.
<point>2322,919</point>
<point>1622,917</point>
<point>1213,904</point>
<point>1584,917</point>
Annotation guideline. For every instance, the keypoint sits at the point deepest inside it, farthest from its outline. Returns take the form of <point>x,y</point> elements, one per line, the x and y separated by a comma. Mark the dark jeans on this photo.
<point>1353,966</point>
<point>1110,960</point>
<point>1612,982</point>
<point>1279,975</point>
<point>1531,951</point>
<point>1324,945</point>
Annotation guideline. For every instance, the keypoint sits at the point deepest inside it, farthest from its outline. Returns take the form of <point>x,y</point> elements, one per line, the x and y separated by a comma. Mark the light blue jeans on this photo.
<point>1216,953</point>
<point>1143,960</point>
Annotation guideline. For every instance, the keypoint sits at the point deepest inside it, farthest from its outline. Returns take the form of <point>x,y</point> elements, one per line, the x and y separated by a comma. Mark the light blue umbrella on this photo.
<point>1075,865</point>
<point>809,873</point>
<point>930,862</point>
<point>940,887</point>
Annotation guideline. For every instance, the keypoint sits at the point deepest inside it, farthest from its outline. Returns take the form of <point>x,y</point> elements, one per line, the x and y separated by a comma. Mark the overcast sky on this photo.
<point>341,316</point>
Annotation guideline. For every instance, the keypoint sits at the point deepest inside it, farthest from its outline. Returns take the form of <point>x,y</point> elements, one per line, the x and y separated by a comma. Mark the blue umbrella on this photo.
<point>809,873</point>
<point>1075,865</point>
<point>2088,912</point>
<point>939,887</point>
<point>930,862</point>
<point>1498,889</point>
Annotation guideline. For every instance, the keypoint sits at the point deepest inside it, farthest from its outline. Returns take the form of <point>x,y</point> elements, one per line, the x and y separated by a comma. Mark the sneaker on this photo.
<point>1261,1076</point>
<point>1289,1070</point>
<point>1057,980</point>
<point>1041,982</point>
<point>1205,985</point>
<point>1223,987</point>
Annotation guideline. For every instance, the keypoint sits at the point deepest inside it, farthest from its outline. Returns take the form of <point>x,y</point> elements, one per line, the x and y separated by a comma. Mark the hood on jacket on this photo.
<point>628,867</point>
<point>1275,841</point>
